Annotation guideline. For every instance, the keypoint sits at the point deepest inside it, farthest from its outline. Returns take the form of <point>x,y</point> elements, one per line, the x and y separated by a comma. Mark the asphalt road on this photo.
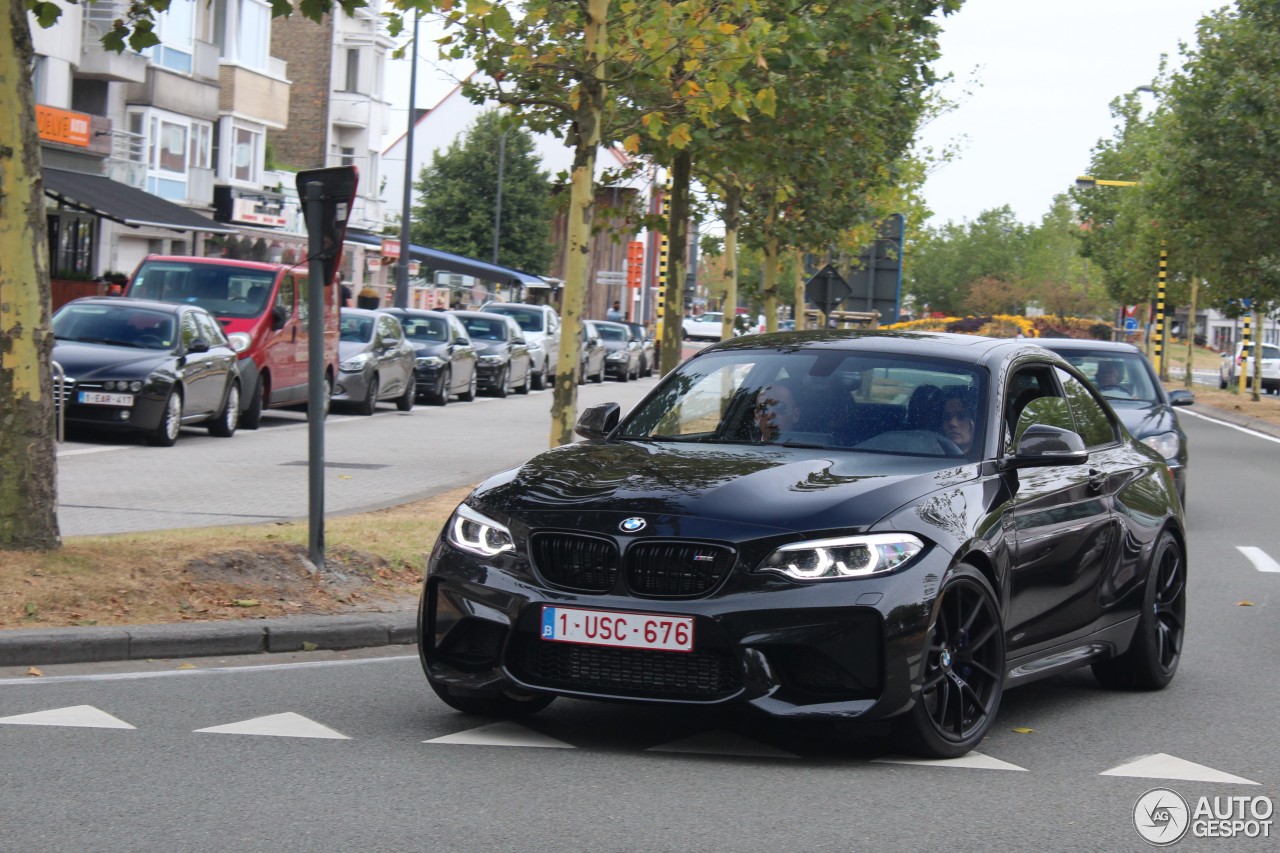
<point>355,753</point>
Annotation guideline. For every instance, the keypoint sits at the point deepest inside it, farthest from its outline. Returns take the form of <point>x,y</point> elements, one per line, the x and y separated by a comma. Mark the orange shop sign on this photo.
<point>62,126</point>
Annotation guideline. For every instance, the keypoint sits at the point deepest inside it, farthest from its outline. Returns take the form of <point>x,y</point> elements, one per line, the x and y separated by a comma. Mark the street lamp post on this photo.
<point>497,204</point>
<point>402,264</point>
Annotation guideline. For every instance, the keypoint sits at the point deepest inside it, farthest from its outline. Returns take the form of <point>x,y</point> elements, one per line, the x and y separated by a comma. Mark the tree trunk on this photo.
<point>1191,331</point>
<point>798,299</point>
<point>582,198</point>
<point>770,284</point>
<point>732,209</point>
<point>677,259</point>
<point>28,467</point>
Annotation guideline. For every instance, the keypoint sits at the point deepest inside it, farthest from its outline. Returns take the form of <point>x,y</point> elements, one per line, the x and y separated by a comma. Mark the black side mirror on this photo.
<point>278,318</point>
<point>597,421</point>
<point>1181,398</point>
<point>199,345</point>
<point>1041,445</point>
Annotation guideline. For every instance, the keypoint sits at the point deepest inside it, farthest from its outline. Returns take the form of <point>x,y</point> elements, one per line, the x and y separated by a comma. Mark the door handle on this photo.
<point>1097,479</point>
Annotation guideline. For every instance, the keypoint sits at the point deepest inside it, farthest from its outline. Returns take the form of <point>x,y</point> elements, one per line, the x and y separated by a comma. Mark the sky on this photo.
<point>1040,76</point>
<point>1045,72</point>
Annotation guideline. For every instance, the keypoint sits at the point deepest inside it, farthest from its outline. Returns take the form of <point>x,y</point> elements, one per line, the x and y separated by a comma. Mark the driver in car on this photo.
<point>1110,377</point>
<point>776,413</point>
<point>957,418</point>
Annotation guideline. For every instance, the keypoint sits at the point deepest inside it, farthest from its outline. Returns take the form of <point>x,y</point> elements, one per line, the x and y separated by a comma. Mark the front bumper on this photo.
<point>487,375</point>
<point>848,649</point>
<point>351,387</point>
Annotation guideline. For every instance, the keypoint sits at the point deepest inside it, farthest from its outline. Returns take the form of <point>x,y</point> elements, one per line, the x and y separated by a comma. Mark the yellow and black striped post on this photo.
<point>660,313</point>
<point>1242,363</point>
<point>1158,354</point>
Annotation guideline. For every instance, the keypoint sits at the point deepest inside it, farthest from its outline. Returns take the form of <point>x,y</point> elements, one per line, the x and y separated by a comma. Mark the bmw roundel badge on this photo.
<point>634,524</point>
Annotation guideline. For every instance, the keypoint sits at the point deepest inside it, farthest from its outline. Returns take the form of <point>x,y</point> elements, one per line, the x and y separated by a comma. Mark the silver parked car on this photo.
<point>375,362</point>
<point>540,325</point>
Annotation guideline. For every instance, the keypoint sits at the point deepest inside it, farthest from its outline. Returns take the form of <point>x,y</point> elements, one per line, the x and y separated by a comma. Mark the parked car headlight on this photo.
<point>430,361</point>
<point>491,359</point>
<point>130,385</point>
<point>844,557</point>
<point>1166,444</point>
<point>355,364</point>
<point>479,534</point>
<point>240,341</point>
<point>617,355</point>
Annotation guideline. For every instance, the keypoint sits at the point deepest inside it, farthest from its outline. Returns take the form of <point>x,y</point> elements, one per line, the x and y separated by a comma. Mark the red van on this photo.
<point>262,308</point>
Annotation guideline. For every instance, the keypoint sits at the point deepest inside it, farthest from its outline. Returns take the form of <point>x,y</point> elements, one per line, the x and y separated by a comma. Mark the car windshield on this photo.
<point>528,321</point>
<point>117,325</point>
<point>612,333</point>
<point>485,330</point>
<point>355,328</point>
<point>429,329</point>
<point>847,400</point>
<point>1117,375</point>
<point>221,289</point>
<point>1269,351</point>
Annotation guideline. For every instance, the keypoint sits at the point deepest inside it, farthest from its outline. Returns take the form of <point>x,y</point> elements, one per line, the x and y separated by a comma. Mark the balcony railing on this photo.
<point>97,62</point>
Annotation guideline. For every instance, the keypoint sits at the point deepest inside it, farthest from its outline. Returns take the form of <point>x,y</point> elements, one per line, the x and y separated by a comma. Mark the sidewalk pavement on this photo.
<point>24,647</point>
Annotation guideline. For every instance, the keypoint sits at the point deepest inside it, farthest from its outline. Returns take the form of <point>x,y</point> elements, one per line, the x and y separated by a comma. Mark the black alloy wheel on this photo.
<point>370,401</point>
<point>599,377</point>
<point>404,403</point>
<point>1153,655</point>
<point>507,705</point>
<point>539,377</point>
<point>225,422</point>
<point>963,676</point>
<point>470,394</point>
<point>166,432</point>
<point>441,395</point>
<point>625,373</point>
<point>500,384</point>
<point>523,387</point>
<point>251,418</point>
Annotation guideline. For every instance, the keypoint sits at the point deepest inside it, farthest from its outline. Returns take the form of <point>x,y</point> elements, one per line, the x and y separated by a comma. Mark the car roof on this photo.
<point>132,302</point>
<point>411,312</point>
<point>966,348</point>
<point>484,315</point>
<point>608,322</point>
<point>1073,344</point>
<point>522,305</point>
<point>224,262</point>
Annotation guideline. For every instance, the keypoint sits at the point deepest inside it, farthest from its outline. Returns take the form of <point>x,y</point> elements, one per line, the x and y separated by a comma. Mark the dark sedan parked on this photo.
<point>503,362</point>
<point>591,363</point>
<point>375,362</point>
<point>648,360</point>
<point>446,359</point>
<point>144,366</point>
<point>1122,374</point>
<point>877,528</point>
<point>621,351</point>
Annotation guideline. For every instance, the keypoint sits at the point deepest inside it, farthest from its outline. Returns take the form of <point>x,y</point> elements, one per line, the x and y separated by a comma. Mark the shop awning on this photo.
<point>124,204</point>
<point>449,262</point>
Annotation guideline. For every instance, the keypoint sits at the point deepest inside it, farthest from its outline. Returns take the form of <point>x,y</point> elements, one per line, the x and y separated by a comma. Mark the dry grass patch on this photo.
<point>1265,409</point>
<point>373,561</point>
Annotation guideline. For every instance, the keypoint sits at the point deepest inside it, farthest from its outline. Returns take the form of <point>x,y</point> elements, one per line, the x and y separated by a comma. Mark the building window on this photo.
<point>173,145</point>
<point>253,35</point>
<point>72,237</point>
<point>348,157</point>
<point>353,70</point>
<point>176,30</point>
<point>246,154</point>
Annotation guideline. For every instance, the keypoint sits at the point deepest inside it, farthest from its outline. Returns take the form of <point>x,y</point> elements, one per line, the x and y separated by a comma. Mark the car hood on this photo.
<point>89,361</point>
<point>1142,418</point>
<point>759,486</point>
<point>613,346</point>
<point>350,349</point>
<point>437,349</point>
<point>490,347</point>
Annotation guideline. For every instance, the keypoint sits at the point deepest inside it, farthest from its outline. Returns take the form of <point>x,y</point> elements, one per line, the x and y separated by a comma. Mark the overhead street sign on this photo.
<point>827,289</point>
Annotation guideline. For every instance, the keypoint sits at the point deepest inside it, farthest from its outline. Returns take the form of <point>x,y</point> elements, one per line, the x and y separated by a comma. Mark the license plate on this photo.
<point>98,398</point>
<point>622,630</point>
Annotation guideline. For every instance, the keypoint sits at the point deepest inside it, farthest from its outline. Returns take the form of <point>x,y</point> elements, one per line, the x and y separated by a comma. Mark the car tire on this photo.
<point>523,387</point>
<point>500,384</point>
<point>963,672</point>
<point>404,403</point>
<point>470,393</point>
<point>599,377</point>
<point>540,378</point>
<point>166,432</point>
<point>225,422</point>
<point>508,705</point>
<point>251,418</point>
<point>370,401</point>
<point>624,375</point>
<point>441,395</point>
<point>328,398</point>
<point>1153,655</point>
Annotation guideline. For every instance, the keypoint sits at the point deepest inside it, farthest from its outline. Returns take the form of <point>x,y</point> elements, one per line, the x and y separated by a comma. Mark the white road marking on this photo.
<point>1163,766</point>
<point>972,761</point>
<point>1245,430</point>
<point>1261,559</point>
<point>502,734</point>
<point>84,450</point>
<point>80,716</point>
<point>287,724</point>
<point>722,743</point>
<point>213,670</point>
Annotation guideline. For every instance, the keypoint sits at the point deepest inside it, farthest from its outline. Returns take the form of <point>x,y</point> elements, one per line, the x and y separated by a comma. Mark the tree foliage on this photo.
<point>458,195</point>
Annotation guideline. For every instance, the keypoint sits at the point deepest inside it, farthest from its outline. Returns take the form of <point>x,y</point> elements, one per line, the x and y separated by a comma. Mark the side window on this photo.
<point>1092,421</point>
<point>459,332</point>
<point>513,331</point>
<point>284,296</point>
<point>190,331</point>
<point>210,330</point>
<point>1052,411</point>
<point>388,330</point>
<point>1025,385</point>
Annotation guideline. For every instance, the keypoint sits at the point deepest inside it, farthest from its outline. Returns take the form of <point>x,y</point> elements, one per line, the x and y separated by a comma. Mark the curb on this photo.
<point>1236,419</point>
<point>23,647</point>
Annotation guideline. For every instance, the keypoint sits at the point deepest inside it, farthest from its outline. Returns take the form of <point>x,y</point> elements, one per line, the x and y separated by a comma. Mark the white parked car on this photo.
<point>541,327</point>
<point>705,326</point>
<point>1232,364</point>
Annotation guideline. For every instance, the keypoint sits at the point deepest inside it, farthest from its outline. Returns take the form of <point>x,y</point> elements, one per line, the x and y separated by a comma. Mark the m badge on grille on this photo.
<point>634,524</point>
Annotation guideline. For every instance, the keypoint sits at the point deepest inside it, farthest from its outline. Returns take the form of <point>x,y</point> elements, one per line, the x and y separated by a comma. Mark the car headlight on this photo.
<point>491,359</point>
<point>355,364</point>
<point>130,385</point>
<point>617,355</point>
<point>430,361</point>
<point>1166,444</point>
<point>473,532</point>
<point>240,341</point>
<point>844,557</point>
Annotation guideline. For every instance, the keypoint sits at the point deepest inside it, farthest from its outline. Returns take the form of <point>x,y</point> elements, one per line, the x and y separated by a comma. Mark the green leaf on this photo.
<point>46,14</point>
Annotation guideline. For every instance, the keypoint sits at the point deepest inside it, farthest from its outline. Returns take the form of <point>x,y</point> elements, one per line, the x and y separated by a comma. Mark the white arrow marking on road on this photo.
<point>972,761</point>
<point>1261,559</point>
<point>1162,766</point>
<point>722,743</point>
<point>502,734</point>
<point>287,724</point>
<point>82,716</point>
